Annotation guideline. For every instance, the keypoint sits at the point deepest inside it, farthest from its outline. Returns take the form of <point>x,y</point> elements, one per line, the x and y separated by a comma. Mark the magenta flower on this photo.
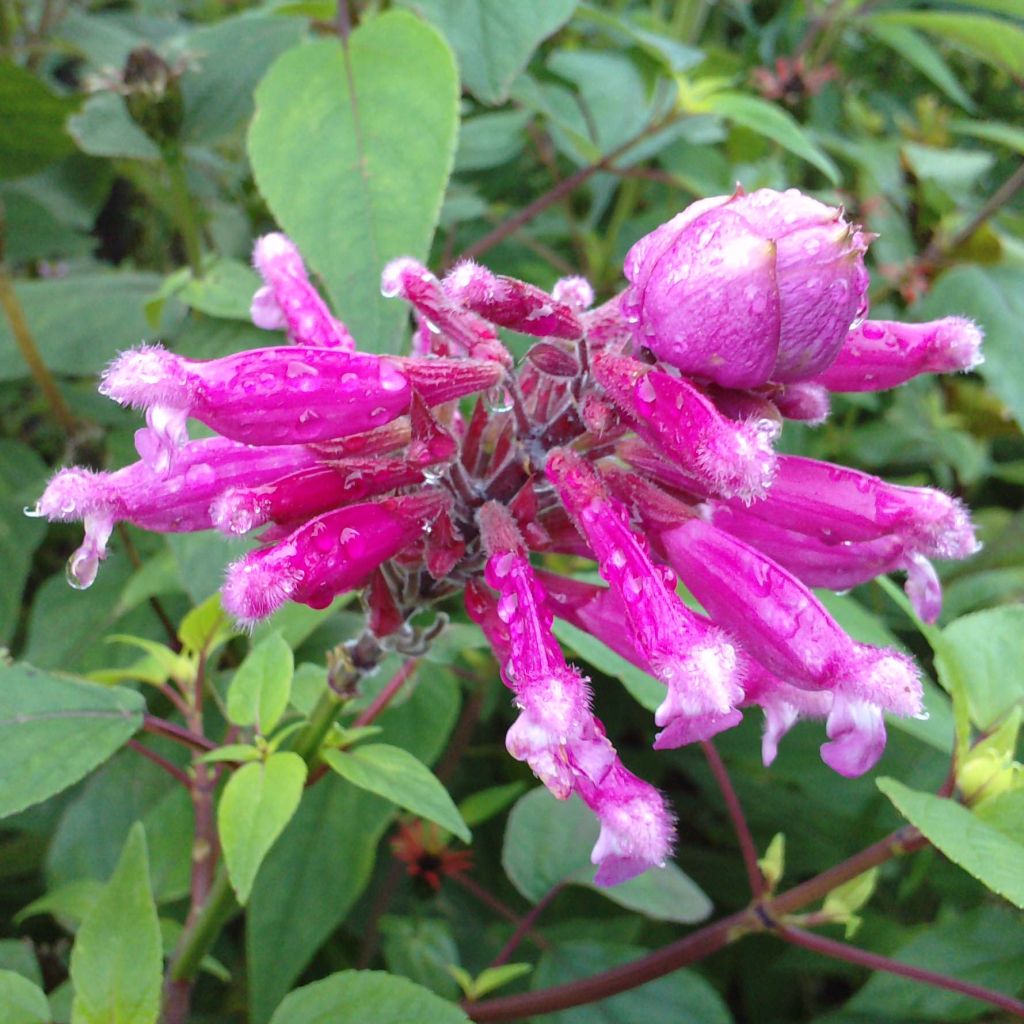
<point>744,289</point>
<point>638,435</point>
<point>288,300</point>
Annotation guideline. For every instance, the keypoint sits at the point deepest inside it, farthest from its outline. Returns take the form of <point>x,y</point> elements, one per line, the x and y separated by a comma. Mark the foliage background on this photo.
<point>544,136</point>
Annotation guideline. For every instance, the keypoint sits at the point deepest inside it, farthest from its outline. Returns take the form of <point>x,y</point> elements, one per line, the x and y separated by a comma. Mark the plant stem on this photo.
<point>197,939</point>
<point>853,955</point>
<point>739,820</point>
<point>762,916</point>
<point>188,222</point>
<point>26,343</point>
<point>937,249</point>
<point>526,925</point>
<point>564,188</point>
<point>172,769</point>
<point>319,724</point>
<point>161,727</point>
<point>387,694</point>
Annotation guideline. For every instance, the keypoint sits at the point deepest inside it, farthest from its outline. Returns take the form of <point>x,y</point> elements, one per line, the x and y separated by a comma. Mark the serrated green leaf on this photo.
<point>774,123</point>
<point>548,843</point>
<point>258,801</point>
<point>259,690</point>
<point>116,960</point>
<point>21,1002</point>
<point>981,653</point>
<point>494,40</point>
<point>381,116</point>
<point>981,850</point>
<point>397,776</point>
<point>41,714</point>
<point>357,997</point>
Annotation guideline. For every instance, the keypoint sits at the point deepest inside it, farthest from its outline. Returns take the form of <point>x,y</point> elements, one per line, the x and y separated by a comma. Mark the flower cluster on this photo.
<point>638,434</point>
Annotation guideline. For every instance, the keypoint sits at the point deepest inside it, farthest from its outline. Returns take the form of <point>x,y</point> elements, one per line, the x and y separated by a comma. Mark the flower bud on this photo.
<point>744,289</point>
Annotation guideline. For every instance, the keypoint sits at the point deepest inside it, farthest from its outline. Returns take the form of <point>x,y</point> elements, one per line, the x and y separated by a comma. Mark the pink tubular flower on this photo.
<point>697,663</point>
<point>556,732</point>
<point>637,831</point>
<point>511,303</point>
<point>288,299</point>
<point>177,502</point>
<point>729,458</point>
<point>309,492</point>
<point>364,472</point>
<point>326,556</point>
<point>882,354</point>
<point>274,396</point>
<point>743,289</point>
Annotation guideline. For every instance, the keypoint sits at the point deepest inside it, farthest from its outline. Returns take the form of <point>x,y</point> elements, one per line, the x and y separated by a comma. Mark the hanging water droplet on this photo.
<point>433,474</point>
<point>80,571</point>
<point>498,399</point>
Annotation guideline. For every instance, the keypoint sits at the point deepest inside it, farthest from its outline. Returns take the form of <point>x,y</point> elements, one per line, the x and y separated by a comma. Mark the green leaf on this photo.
<point>981,653</point>
<point>22,477</point>
<point>1001,134</point>
<point>491,140</point>
<point>103,127</point>
<point>116,959</point>
<point>32,131</point>
<point>981,850</point>
<point>774,123</point>
<point>258,801</point>
<point>480,807</point>
<point>422,950</point>
<point>984,946</point>
<point>397,776</point>
<point>206,627</point>
<point>21,1002</point>
<point>644,688</point>
<point>260,689</point>
<point>381,117</point>
<point>992,40</point>
<point>494,40</point>
<point>68,903</point>
<point>300,896</point>
<point>491,978</point>
<point>232,56</point>
<point>548,843</point>
<point>225,289</point>
<point>682,997</point>
<point>357,997</point>
<point>916,50</point>
<point>81,321</point>
<point>232,752</point>
<point>994,296</point>
<point>55,730</point>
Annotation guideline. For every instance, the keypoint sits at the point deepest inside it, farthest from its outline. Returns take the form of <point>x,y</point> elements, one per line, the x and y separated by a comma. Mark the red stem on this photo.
<point>387,695</point>
<point>161,727</point>
<point>172,769</point>
<point>699,944</point>
<point>526,925</point>
<point>562,189</point>
<point>853,955</point>
<point>738,818</point>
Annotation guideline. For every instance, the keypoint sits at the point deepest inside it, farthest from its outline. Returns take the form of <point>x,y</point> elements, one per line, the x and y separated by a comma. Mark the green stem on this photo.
<point>307,742</point>
<point>196,941</point>
<point>185,211</point>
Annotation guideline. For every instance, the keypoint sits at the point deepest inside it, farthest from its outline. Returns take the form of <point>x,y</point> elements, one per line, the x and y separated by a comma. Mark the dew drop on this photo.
<point>498,399</point>
<point>199,475</point>
<point>77,572</point>
<point>872,331</point>
<point>645,391</point>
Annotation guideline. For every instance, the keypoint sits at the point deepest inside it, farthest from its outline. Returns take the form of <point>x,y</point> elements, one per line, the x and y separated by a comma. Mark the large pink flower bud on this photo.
<point>744,289</point>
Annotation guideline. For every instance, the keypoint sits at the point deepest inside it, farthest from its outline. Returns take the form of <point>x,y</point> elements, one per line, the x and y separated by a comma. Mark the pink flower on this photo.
<point>743,289</point>
<point>288,300</point>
